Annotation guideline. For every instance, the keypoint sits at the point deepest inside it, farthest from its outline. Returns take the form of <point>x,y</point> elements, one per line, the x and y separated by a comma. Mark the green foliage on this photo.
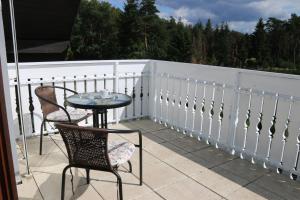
<point>104,32</point>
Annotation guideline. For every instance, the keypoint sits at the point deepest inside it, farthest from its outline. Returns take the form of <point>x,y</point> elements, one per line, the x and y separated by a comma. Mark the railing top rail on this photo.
<point>75,63</point>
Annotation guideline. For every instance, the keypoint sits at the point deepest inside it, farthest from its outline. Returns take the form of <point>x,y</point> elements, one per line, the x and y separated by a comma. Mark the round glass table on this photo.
<point>98,104</point>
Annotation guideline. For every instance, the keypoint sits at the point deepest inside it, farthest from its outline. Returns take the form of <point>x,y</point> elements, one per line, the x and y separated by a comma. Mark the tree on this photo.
<point>95,33</point>
<point>130,31</point>
<point>180,42</point>
<point>104,32</point>
<point>198,46</point>
<point>294,29</point>
<point>154,36</point>
<point>209,38</point>
<point>259,43</point>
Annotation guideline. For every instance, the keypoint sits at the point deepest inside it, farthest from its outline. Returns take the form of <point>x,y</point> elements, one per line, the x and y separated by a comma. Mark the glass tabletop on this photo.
<point>96,100</point>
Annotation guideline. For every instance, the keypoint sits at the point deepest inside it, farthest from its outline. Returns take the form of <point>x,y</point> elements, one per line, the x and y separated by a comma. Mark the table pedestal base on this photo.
<point>103,118</point>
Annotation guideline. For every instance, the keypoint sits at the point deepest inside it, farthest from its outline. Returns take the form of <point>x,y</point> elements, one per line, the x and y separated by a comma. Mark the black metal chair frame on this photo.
<point>54,104</point>
<point>112,169</point>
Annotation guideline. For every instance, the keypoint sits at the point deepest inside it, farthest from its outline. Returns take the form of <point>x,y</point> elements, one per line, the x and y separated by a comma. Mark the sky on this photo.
<point>241,15</point>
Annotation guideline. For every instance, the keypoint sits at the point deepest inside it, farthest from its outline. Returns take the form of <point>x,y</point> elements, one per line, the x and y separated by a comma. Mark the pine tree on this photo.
<point>198,47</point>
<point>259,43</point>
<point>209,38</point>
<point>130,31</point>
<point>152,30</point>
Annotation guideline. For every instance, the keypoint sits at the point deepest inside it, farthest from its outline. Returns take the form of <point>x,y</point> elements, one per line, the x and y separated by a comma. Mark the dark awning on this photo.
<point>43,27</point>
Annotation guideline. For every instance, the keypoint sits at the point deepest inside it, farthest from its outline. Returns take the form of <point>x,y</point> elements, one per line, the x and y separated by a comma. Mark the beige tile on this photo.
<point>123,126</point>
<point>212,156</point>
<point>148,125</point>
<point>50,185</point>
<point>163,151</point>
<point>147,158</point>
<point>244,169</point>
<point>52,163</point>
<point>219,180</point>
<point>252,192</point>
<point>56,137</point>
<point>280,185</point>
<point>147,138</point>
<point>186,164</point>
<point>33,146</point>
<point>86,192</point>
<point>149,196</point>
<point>189,144</point>
<point>160,175</point>
<point>187,189</point>
<point>107,186</point>
<point>168,134</point>
<point>28,189</point>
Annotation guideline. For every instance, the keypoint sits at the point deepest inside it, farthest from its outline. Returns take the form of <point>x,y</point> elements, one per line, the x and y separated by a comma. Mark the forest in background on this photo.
<point>103,32</point>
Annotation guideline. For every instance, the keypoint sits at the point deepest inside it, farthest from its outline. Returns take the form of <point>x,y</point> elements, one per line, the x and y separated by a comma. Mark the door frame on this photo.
<point>8,188</point>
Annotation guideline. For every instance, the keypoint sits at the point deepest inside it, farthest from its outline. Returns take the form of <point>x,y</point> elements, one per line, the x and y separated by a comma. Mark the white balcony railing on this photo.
<point>252,114</point>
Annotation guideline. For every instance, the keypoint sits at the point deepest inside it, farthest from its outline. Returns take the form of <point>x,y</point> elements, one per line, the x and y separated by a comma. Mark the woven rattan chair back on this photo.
<point>86,147</point>
<point>45,93</point>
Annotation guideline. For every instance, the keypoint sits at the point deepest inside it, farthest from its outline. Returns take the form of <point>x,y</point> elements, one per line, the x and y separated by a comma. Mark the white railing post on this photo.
<point>116,89</point>
<point>234,113</point>
<point>152,92</point>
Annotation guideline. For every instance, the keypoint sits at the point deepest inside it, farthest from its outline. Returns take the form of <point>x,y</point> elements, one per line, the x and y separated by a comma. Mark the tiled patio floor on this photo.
<point>175,167</point>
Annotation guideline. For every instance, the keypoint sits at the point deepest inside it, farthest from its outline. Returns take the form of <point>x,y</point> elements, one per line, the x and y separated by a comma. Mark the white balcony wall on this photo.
<point>222,106</point>
<point>254,115</point>
<point>82,76</point>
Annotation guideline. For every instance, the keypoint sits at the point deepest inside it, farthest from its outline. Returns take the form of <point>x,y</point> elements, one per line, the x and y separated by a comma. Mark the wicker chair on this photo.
<point>52,112</point>
<point>88,148</point>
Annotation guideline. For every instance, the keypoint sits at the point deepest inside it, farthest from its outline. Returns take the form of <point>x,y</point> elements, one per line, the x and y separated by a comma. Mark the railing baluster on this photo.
<point>236,120</point>
<point>246,125</point>
<point>272,131</point>
<point>45,125</point>
<point>211,114</point>
<point>173,103</point>
<point>285,136</point>
<point>133,94</point>
<point>161,98</point>
<point>221,116</point>
<point>259,126</point>
<point>202,111</point>
<point>293,174</point>
<point>65,93</point>
<point>179,105</point>
<point>18,106</point>
<point>186,106</point>
<point>85,90</point>
<point>53,81</point>
<point>95,83</point>
<point>75,84</point>
<point>31,107</point>
<point>194,109</point>
<point>167,101</point>
<point>141,94</point>
<point>104,82</point>
<point>126,92</point>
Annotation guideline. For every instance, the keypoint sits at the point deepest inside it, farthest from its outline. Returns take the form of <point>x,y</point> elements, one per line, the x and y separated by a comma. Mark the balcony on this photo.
<point>221,133</point>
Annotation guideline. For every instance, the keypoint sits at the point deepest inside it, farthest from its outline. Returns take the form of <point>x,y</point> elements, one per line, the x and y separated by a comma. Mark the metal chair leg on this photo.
<point>63,182</point>
<point>87,176</point>
<point>130,166</point>
<point>41,137</point>
<point>119,181</point>
<point>141,157</point>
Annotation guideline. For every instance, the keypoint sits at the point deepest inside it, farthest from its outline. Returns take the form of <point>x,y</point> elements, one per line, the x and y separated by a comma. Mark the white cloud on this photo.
<point>241,14</point>
<point>242,26</point>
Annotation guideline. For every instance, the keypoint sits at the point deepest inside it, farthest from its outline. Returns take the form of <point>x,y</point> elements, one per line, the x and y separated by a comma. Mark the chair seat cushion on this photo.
<point>120,152</point>
<point>76,115</point>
